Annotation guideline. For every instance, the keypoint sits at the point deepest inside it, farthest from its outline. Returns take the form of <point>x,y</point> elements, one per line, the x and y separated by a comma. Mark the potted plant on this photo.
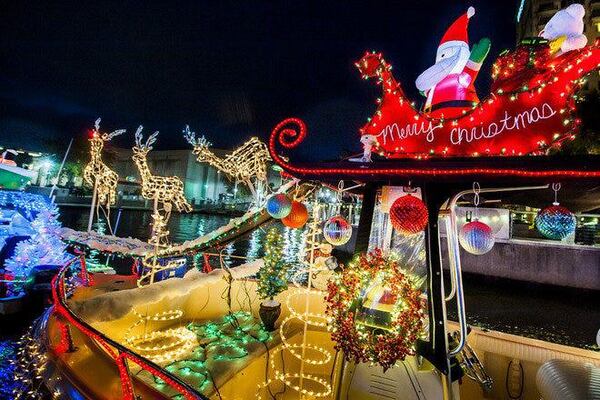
<point>272,279</point>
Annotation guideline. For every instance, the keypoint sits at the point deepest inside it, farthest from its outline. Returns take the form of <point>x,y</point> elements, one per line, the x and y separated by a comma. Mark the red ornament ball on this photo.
<point>297,216</point>
<point>409,215</point>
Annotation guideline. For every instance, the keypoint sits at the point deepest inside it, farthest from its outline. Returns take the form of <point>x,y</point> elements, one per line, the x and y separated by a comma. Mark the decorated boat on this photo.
<point>373,326</point>
<point>31,250</point>
<point>12,176</point>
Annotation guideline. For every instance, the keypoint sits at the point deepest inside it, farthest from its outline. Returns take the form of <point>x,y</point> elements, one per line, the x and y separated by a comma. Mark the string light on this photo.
<point>318,355</point>
<point>247,162</point>
<point>161,346</point>
<point>96,173</point>
<point>165,191</point>
<point>296,128</point>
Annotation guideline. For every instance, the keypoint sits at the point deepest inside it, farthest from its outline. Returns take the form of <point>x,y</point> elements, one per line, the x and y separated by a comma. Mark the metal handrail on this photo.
<point>122,353</point>
<point>457,287</point>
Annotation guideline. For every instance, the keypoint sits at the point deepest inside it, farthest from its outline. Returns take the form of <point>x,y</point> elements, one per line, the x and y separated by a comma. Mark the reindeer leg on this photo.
<point>251,187</point>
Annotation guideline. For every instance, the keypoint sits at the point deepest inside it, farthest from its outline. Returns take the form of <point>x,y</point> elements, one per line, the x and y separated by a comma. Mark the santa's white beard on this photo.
<point>434,74</point>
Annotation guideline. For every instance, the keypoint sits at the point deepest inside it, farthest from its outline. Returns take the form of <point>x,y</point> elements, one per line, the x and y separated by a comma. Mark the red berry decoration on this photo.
<point>409,215</point>
<point>297,216</point>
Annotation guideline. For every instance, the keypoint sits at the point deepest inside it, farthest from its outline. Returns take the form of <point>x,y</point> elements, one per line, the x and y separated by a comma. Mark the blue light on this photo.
<point>520,11</point>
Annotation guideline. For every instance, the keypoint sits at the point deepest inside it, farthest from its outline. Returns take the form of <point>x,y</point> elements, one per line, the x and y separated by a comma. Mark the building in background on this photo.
<point>201,181</point>
<point>532,15</point>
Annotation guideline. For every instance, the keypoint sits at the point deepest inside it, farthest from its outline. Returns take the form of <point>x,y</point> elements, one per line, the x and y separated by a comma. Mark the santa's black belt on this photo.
<point>453,103</point>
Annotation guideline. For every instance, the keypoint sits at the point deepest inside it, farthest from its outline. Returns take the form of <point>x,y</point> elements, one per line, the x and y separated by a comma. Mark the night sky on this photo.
<point>229,69</point>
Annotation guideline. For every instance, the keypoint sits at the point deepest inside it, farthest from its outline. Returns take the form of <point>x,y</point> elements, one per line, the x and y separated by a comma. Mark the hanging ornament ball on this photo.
<point>337,231</point>
<point>279,206</point>
<point>409,215</point>
<point>555,222</point>
<point>297,216</point>
<point>476,237</point>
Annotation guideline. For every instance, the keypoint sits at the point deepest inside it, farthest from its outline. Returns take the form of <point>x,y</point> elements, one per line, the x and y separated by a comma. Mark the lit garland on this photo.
<point>366,337</point>
<point>161,346</point>
<point>165,191</point>
<point>307,353</point>
<point>243,164</point>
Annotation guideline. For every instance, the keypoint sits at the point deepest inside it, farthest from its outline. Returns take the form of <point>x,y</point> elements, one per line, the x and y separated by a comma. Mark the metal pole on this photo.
<point>117,221</point>
<point>62,164</point>
<point>92,206</point>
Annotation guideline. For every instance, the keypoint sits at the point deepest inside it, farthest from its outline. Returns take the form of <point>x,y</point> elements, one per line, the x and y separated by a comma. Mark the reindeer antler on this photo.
<point>109,136</point>
<point>190,136</point>
<point>139,136</point>
<point>151,140</point>
<point>97,124</point>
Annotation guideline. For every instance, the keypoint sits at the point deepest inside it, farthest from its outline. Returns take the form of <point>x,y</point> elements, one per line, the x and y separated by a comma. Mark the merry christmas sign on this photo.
<point>530,109</point>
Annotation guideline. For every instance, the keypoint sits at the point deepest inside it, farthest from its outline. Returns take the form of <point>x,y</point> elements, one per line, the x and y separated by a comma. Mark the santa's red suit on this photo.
<point>455,92</point>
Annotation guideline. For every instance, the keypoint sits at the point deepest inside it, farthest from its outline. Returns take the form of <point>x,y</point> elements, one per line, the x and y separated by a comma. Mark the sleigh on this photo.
<point>530,108</point>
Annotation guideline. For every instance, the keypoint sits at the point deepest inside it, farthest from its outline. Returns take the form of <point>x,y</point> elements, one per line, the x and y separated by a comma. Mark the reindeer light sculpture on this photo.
<point>98,175</point>
<point>165,191</point>
<point>247,162</point>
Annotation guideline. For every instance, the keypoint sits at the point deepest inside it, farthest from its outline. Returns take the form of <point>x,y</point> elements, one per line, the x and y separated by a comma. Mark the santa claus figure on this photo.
<point>448,84</point>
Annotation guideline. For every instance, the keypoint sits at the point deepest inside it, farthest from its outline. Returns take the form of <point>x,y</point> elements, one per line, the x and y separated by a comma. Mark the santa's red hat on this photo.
<point>457,33</point>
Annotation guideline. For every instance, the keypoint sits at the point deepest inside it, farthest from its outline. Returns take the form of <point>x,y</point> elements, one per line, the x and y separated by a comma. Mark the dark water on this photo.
<point>184,227</point>
<point>555,314</point>
<point>136,223</point>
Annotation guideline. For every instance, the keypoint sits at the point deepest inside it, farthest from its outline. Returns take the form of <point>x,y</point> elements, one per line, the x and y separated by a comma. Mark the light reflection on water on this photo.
<point>184,227</point>
<point>135,223</point>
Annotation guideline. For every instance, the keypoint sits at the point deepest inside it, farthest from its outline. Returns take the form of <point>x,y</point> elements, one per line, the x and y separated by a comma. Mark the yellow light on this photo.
<point>165,191</point>
<point>96,173</point>
<point>318,354</point>
<point>161,346</point>
<point>247,162</point>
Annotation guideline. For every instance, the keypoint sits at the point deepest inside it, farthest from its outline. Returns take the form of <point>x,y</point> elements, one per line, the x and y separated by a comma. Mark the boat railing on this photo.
<point>120,354</point>
<point>448,213</point>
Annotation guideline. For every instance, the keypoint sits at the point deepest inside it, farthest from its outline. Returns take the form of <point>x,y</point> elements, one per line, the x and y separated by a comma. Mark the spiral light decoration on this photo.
<point>161,346</point>
<point>307,353</point>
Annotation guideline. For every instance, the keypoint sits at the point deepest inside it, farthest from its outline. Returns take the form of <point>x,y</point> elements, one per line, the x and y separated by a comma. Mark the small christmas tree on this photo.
<point>273,273</point>
<point>43,248</point>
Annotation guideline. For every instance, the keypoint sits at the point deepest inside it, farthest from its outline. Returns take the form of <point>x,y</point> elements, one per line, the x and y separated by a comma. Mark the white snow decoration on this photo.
<point>115,305</point>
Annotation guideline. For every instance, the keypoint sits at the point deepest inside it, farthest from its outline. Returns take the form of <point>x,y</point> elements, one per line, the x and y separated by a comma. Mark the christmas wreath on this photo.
<point>376,310</point>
